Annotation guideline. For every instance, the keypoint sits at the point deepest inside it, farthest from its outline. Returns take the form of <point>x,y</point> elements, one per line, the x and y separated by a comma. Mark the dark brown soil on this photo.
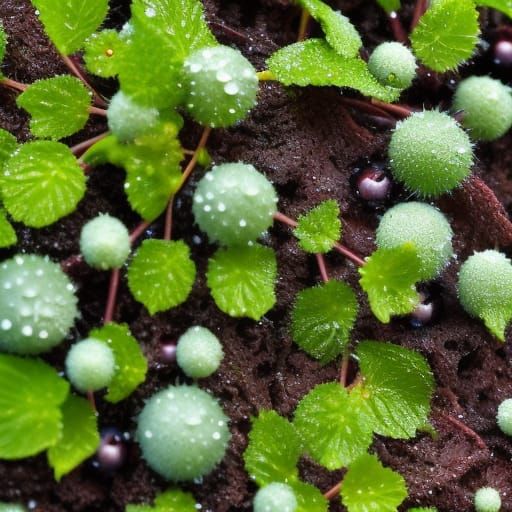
<point>307,144</point>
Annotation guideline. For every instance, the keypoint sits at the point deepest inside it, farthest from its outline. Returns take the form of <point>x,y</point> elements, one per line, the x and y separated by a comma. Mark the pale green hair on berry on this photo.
<point>105,242</point>
<point>504,416</point>
<point>430,153</point>
<point>222,86</point>
<point>234,204</point>
<point>487,107</point>
<point>487,499</point>
<point>393,64</point>
<point>275,497</point>
<point>424,226</point>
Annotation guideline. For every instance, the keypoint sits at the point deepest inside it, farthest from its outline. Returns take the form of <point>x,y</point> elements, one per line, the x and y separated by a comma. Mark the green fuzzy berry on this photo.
<point>222,86</point>
<point>128,120</point>
<point>430,153</point>
<point>504,416</point>
<point>393,64</point>
<point>487,499</point>
<point>37,304</point>
<point>487,106</point>
<point>199,352</point>
<point>105,242</point>
<point>234,204</point>
<point>275,497</point>
<point>90,365</point>
<point>183,433</point>
<point>424,226</point>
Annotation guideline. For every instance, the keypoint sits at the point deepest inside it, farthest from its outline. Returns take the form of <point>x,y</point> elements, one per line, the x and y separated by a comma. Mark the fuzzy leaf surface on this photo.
<point>389,277</point>
<point>396,390</point>
<point>8,145</point>
<point>80,437</point>
<point>102,51</point>
<point>58,106</point>
<point>31,395</point>
<point>242,280</point>
<point>320,228</point>
<point>505,6</point>
<point>309,497</point>
<point>8,236</point>
<point>314,62</point>
<point>369,486</point>
<point>131,365</point>
<point>322,319</point>
<point>42,183</point>
<point>174,500</point>
<point>447,34</point>
<point>161,274</point>
<point>69,23</point>
<point>389,5</point>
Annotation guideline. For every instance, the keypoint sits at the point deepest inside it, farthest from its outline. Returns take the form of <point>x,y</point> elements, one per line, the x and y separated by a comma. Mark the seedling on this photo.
<point>487,499</point>
<point>275,497</point>
<point>504,416</point>
<point>393,64</point>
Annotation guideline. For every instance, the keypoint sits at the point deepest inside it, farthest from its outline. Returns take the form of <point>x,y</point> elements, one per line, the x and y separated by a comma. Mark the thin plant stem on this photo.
<point>168,219</point>
<point>98,111</point>
<point>305,18</point>
<point>71,262</point>
<point>137,232</point>
<point>397,28</point>
<point>344,367</point>
<point>419,11</point>
<point>78,149</point>
<point>284,219</point>
<point>333,492</point>
<point>400,111</point>
<point>112,296</point>
<point>229,31</point>
<point>352,256</point>
<point>13,84</point>
<point>322,267</point>
<point>467,430</point>
<point>367,107</point>
<point>92,400</point>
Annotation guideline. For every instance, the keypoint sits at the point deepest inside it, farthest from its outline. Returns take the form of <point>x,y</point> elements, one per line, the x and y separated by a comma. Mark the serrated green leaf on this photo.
<point>369,486</point>
<point>174,500</point>
<point>333,425</point>
<point>505,6</point>
<point>8,145</point>
<point>339,31</point>
<point>389,277</point>
<point>31,394</point>
<point>273,451</point>
<point>69,23</point>
<point>322,319</point>
<point>309,497</point>
<point>131,365</point>
<point>314,62</point>
<point>58,106</point>
<point>242,280</point>
<point>42,183</point>
<point>389,5</point>
<point>447,34</point>
<point>80,437</point>
<point>161,274</point>
<point>320,228</point>
<point>397,388</point>
<point>8,236</point>
<point>102,52</point>
<point>497,320</point>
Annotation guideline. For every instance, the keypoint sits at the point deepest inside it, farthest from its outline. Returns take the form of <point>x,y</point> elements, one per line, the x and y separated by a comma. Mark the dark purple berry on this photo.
<point>503,53</point>
<point>167,352</point>
<point>112,452</point>
<point>373,184</point>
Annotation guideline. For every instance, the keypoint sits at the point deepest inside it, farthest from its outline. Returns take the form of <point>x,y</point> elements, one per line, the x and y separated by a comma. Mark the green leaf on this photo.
<point>369,486</point>
<point>339,32</point>
<point>389,277</point>
<point>161,274</point>
<point>397,388</point>
<point>242,280</point>
<point>422,509</point>
<point>322,319</point>
<point>314,62</point>
<point>3,45</point>
<point>497,320</point>
<point>8,145</point>
<point>102,53</point>
<point>31,393</point>
<point>69,23</point>
<point>131,365</point>
<point>58,106</point>
<point>309,497</point>
<point>333,425</point>
<point>42,183</point>
<point>447,34</point>
<point>389,5</point>
<point>273,451</point>
<point>320,228</point>
<point>505,6</point>
<point>80,437</point>
<point>8,236</point>
<point>174,500</point>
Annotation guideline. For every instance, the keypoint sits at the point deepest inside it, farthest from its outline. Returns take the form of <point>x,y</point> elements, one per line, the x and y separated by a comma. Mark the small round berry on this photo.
<point>393,64</point>
<point>105,242</point>
<point>37,304</point>
<point>222,86</point>
<point>423,225</point>
<point>373,185</point>
<point>487,499</point>
<point>275,497</point>
<point>503,53</point>
<point>167,352</point>
<point>487,106</point>
<point>112,452</point>
<point>183,433</point>
<point>430,153</point>
<point>90,365</point>
<point>504,416</point>
<point>234,204</point>
<point>199,352</point>
<point>128,120</point>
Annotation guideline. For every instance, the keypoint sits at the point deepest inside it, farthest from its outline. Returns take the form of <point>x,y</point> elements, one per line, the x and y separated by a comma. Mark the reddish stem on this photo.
<point>92,400</point>
<point>333,492</point>
<point>98,111</point>
<point>168,219</point>
<point>13,84</point>
<point>352,256</point>
<point>464,428</point>
<point>112,296</point>
<point>400,111</point>
<point>80,148</point>
<point>281,217</point>
<point>419,11</point>
<point>137,232</point>
<point>71,262</point>
<point>397,28</point>
<point>322,267</point>
<point>229,31</point>
<point>367,107</point>
<point>305,18</point>
<point>344,368</point>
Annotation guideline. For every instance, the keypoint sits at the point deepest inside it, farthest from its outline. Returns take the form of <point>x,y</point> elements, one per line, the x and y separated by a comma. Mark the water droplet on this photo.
<point>6,324</point>
<point>231,88</point>
<point>150,12</point>
<point>26,330</point>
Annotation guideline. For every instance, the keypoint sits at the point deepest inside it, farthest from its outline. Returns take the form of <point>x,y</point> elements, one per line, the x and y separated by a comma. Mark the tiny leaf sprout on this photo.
<point>275,497</point>
<point>199,352</point>
<point>90,365</point>
<point>393,64</point>
<point>234,203</point>
<point>430,153</point>
<point>105,242</point>
<point>30,284</point>
<point>487,499</point>
<point>222,86</point>
<point>183,432</point>
<point>504,416</point>
<point>487,107</point>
